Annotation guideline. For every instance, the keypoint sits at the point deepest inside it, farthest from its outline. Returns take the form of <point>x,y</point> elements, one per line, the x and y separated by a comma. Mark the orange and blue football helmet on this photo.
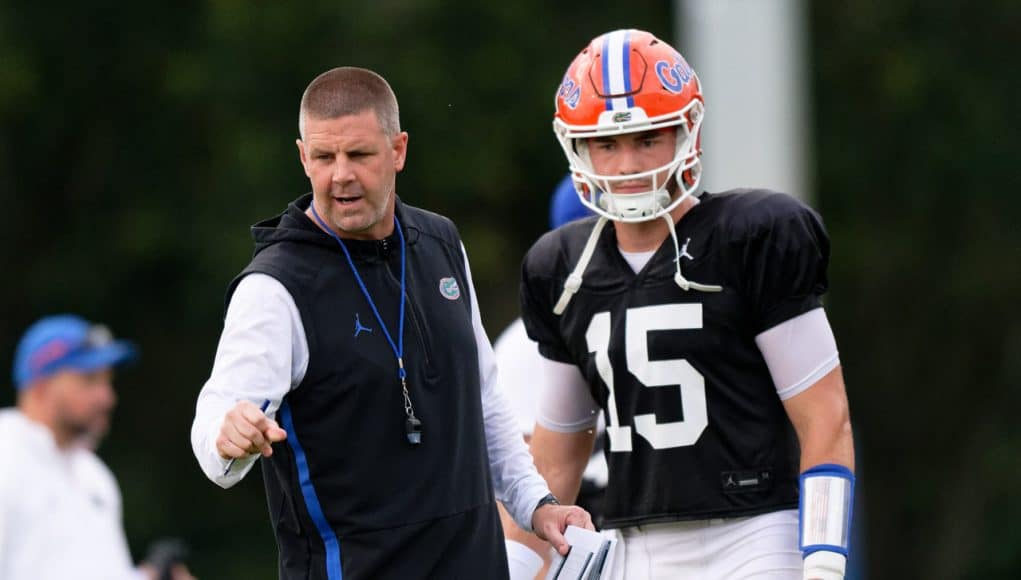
<point>629,81</point>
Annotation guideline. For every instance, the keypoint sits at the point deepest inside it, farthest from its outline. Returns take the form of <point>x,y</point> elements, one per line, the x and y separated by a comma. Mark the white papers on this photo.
<point>590,558</point>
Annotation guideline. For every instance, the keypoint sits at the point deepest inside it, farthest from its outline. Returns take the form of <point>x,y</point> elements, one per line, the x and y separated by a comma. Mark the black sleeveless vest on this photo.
<point>348,495</point>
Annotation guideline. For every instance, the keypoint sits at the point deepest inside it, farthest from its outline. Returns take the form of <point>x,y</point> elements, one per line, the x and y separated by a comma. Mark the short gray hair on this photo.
<point>349,90</point>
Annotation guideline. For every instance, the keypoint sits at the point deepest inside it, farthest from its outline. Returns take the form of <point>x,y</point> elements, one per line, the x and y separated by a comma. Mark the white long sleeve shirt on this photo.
<point>263,354</point>
<point>60,509</point>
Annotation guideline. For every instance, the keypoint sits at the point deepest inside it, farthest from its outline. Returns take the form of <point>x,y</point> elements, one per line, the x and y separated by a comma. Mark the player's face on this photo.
<point>352,165</point>
<point>632,154</point>
<point>82,402</point>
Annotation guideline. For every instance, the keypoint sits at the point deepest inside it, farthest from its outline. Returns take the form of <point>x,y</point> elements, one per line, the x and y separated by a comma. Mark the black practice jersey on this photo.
<point>695,428</point>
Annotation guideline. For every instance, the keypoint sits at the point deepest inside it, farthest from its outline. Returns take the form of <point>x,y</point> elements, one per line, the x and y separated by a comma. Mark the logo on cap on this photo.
<point>47,353</point>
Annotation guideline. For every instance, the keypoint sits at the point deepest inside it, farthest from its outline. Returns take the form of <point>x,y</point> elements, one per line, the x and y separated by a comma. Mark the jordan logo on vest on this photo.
<point>358,326</point>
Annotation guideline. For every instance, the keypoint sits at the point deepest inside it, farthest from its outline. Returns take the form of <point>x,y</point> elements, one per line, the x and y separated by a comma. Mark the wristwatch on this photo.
<point>548,499</point>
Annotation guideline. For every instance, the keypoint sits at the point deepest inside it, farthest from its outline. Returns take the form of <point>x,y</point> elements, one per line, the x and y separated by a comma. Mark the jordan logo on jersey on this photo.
<point>358,326</point>
<point>750,480</point>
<point>684,251</point>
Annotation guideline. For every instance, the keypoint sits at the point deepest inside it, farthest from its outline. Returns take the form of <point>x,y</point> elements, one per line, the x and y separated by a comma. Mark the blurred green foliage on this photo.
<point>139,142</point>
<point>917,149</point>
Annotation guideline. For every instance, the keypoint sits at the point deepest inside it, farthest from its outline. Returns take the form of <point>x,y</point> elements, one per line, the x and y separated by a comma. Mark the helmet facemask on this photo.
<point>596,190</point>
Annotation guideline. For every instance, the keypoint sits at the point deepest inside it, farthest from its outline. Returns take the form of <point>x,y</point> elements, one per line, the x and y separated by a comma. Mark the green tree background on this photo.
<point>140,141</point>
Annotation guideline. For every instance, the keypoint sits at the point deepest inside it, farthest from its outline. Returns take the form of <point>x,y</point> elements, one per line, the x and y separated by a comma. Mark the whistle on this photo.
<point>413,429</point>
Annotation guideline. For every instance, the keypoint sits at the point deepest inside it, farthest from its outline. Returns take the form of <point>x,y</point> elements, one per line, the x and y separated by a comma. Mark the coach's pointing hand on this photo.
<point>550,521</point>
<point>246,431</point>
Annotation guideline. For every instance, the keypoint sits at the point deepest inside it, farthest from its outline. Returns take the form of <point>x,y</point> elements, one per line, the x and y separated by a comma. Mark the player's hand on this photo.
<point>246,431</point>
<point>550,521</point>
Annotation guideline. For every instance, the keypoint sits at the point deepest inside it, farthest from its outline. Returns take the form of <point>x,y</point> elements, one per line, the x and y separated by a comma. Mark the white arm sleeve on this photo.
<point>518,484</point>
<point>517,357</point>
<point>799,352</point>
<point>263,354</point>
<point>566,404</point>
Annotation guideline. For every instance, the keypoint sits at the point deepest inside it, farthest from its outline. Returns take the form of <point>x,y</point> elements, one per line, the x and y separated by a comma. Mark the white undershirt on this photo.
<point>637,260</point>
<point>263,354</point>
<point>798,352</point>
<point>60,509</point>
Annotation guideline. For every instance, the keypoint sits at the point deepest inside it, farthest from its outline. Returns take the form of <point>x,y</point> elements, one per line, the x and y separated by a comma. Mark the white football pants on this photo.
<point>764,546</point>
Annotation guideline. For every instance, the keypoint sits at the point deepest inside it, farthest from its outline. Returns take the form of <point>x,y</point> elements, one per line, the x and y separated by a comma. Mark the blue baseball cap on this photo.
<point>56,343</point>
<point>565,205</point>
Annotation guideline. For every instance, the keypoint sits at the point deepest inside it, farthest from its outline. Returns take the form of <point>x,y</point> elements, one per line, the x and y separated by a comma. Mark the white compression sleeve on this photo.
<point>517,483</point>
<point>565,404</point>
<point>799,352</point>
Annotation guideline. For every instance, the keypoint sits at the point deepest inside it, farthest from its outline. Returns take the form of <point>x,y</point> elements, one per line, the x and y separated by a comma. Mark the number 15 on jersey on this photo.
<point>676,373</point>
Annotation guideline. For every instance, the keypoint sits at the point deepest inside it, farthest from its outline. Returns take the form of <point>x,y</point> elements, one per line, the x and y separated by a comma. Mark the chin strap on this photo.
<point>573,282</point>
<point>679,278</point>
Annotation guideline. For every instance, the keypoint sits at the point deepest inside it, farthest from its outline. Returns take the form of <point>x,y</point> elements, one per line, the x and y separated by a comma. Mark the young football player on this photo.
<point>694,321</point>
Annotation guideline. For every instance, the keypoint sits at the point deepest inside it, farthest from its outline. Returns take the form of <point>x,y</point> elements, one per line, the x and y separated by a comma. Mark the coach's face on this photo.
<point>352,165</point>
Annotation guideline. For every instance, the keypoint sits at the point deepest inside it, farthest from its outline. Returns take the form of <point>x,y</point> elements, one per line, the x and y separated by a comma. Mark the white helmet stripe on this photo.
<point>615,67</point>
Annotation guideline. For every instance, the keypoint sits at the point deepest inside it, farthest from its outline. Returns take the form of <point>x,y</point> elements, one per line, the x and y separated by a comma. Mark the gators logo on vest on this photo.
<point>449,288</point>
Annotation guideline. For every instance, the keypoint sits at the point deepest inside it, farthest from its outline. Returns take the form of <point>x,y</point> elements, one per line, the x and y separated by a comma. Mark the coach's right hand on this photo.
<point>246,431</point>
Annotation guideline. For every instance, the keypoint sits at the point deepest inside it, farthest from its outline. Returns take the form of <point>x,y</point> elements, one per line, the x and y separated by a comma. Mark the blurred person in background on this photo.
<point>517,358</point>
<point>60,506</point>
<point>353,359</point>
<point>722,387</point>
